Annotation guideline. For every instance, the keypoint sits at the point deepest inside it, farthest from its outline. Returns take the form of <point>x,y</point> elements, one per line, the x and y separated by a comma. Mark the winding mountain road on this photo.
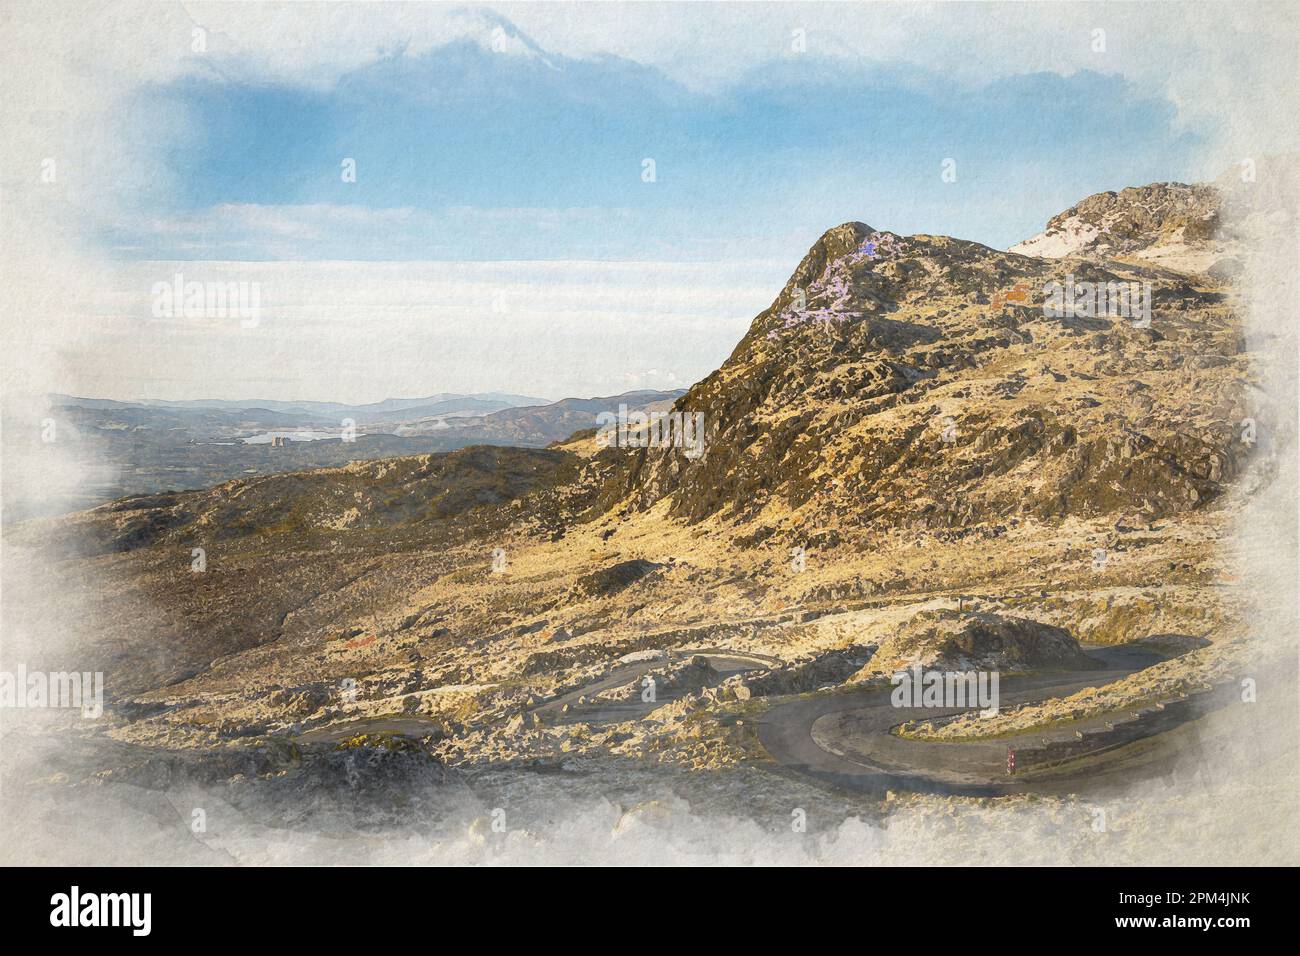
<point>846,738</point>
<point>722,664</point>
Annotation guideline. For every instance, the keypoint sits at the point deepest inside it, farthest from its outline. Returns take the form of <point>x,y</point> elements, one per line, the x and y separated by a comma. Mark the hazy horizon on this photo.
<point>331,401</point>
<point>629,197</point>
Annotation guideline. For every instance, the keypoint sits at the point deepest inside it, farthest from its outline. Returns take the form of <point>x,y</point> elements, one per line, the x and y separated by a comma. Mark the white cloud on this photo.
<point>69,68</point>
<point>322,230</point>
<point>363,331</point>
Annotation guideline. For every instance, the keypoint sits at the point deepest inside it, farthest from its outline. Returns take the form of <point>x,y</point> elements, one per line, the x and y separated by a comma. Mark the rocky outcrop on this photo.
<point>954,641</point>
<point>1131,221</point>
<point>609,581</point>
<point>920,381</point>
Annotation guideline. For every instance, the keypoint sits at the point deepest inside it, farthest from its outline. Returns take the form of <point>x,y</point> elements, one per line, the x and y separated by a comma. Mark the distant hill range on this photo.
<point>153,446</point>
<point>542,424</point>
<point>308,412</point>
<point>491,417</point>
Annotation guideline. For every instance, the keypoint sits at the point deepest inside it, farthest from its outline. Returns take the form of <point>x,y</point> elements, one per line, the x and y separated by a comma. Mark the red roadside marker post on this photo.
<point>1011,760</point>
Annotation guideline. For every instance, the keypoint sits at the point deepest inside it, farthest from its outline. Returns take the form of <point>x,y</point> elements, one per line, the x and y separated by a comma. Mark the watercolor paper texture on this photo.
<point>648,433</point>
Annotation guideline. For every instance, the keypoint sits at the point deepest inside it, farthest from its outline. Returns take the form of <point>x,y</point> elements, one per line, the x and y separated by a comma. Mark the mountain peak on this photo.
<point>886,358</point>
<point>854,271</point>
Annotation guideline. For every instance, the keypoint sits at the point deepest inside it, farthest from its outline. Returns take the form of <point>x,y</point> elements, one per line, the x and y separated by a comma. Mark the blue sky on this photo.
<point>466,152</point>
<point>499,235</point>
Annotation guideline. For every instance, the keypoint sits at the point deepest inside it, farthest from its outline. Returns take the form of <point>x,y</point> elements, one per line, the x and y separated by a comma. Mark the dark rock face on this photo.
<point>1015,642</point>
<point>611,580</point>
<point>951,640</point>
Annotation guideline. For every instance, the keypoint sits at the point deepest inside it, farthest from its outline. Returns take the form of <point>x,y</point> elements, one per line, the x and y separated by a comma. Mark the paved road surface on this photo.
<point>723,664</point>
<point>845,738</point>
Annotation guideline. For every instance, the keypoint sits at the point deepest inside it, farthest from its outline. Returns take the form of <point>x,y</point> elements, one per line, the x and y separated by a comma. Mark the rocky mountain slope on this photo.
<point>904,443</point>
<point>886,390</point>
